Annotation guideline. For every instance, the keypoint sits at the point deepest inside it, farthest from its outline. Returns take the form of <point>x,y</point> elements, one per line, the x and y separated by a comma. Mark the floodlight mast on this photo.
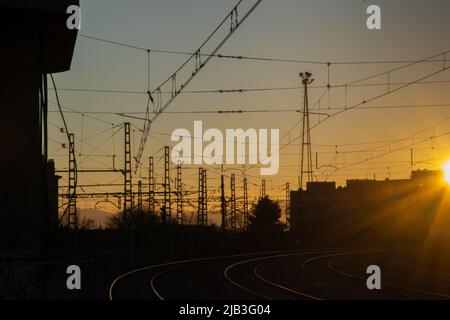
<point>306,166</point>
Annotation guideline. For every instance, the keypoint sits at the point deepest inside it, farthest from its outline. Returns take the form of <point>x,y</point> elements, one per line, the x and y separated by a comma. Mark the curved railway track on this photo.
<point>307,274</point>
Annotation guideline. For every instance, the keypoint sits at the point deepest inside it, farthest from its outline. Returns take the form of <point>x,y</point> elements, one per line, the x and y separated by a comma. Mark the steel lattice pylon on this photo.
<point>263,188</point>
<point>140,204</point>
<point>233,215</point>
<point>223,205</point>
<point>245,204</point>
<point>72,207</point>
<point>179,196</point>
<point>202,213</point>
<point>288,207</point>
<point>167,213</point>
<point>128,196</point>
<point>151,186</point>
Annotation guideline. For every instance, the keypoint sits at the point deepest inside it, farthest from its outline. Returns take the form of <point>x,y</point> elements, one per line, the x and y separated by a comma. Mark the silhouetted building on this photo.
<point>324,211</point>
<point>35,42</point>
<point>53,187</point>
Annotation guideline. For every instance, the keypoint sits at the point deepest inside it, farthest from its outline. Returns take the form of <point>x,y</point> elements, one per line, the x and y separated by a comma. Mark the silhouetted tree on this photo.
<point>265,215</point>
<point>142,219</point>
<point>265,231</point>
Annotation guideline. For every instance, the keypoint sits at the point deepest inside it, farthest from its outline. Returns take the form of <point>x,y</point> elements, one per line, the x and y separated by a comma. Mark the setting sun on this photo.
<point>446,169</point>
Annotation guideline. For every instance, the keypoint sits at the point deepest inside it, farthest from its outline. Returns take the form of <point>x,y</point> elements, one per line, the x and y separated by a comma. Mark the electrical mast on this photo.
<point>167,208</point>
<point>288,207</point>
<point>245,203</point>
<point>167,212</point>
<point>263,188</point>
<point>202,213</point>
<point>233,215</point>
<point>151,187</point>
<point>179,186</point>
<point>306,165</point>
<point>72,207</point>
<point>128,198</point>
<point>223,204</point>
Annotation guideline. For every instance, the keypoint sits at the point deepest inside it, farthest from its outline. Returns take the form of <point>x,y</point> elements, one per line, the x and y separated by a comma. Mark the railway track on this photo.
<point>306,274</point>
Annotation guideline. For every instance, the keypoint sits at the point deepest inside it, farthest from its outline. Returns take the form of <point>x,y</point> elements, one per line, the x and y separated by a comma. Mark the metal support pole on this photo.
<point>233,203</point>
<point>200,195</point>
<point>72,207</point>
<point>202,215</point>
<point>179,196</point>
<point>306,153</point>
<point>151,187</point>
<point>245,204</point>
<point>263,188</point>
<point>167,209</point>
<point>288,207</point>
<point>128,197</point>
<point>223,204</point>
<point>167,197</point>
<point>205,199</point>
<point>140,207</point>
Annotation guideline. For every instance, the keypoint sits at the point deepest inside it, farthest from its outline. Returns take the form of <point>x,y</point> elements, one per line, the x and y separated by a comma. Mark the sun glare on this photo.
<point>446,168</point>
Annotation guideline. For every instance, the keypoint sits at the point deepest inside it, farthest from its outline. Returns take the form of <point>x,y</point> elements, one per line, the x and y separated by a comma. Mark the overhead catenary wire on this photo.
<point>269,109</point>
<point>374,98</point>
<point>254,58</point>
<point>95,148</point>
<point>78,112</point>
<point>364,102</point>
<point>231,112</point>
<point>345,109</point>
<point>412,136</point>
<point>249,90</point>
<point>389,152</point>
<point>235,23</point>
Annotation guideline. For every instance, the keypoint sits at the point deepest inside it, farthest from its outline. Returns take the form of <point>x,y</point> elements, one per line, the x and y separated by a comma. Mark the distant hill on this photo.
<point>99,216</point>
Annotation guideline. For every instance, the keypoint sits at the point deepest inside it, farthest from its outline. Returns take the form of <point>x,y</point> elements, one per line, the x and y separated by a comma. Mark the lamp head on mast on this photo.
<point>306,77</point>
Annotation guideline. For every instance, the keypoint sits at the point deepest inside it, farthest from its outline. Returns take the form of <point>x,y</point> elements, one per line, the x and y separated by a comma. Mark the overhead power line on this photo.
<point>374,98</point>
<point>365,102</point>
<point>248,110</point>
<point>247,90</point>
<point>389,152</point>
<point>251,58</point>
<point>193,65</point>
